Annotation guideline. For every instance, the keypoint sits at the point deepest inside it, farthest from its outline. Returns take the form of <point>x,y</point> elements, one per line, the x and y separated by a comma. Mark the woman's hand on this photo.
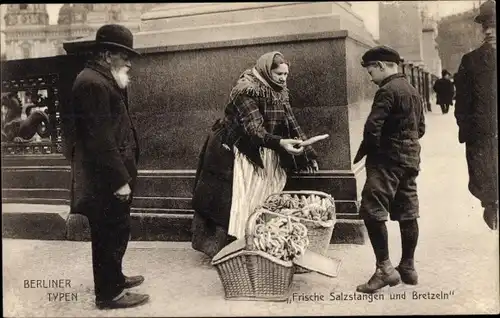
<point>289,146</point>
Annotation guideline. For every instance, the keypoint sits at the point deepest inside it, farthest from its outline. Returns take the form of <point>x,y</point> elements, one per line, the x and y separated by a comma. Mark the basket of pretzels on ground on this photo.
<point>314,209</point>
<point>260,267</point>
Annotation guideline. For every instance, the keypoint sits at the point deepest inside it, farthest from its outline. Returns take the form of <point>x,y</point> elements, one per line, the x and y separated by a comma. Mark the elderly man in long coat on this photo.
<point>101,143</point>
<point>476,115</point>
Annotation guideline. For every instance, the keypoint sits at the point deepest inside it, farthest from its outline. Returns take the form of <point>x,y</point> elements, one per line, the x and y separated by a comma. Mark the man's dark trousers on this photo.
<point>110,231</point>
<point>482,162</point>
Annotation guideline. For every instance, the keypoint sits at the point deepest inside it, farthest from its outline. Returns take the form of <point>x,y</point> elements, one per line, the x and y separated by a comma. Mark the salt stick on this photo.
<point>312,140</point>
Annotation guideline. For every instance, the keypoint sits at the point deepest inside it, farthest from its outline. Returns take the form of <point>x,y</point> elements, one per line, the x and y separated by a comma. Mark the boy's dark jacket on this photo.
<point>395,125</point>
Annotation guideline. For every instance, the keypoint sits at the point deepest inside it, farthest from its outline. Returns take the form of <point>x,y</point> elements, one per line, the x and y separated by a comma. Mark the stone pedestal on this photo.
<point>192,54</point>
<point>176,24</point>
<point>77,228</point>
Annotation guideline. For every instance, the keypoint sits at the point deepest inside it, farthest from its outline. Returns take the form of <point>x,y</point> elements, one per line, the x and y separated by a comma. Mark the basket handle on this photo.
<point>250,228</point>
<point>299,192</point>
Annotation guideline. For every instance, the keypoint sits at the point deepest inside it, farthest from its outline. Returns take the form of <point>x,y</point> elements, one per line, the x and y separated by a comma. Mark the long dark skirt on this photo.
<point>212,197</point>
<point>208,237</point>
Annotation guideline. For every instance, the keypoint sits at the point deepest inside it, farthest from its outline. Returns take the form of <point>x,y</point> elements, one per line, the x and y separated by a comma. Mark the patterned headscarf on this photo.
<point>258,81</point>
<point>263,67</point>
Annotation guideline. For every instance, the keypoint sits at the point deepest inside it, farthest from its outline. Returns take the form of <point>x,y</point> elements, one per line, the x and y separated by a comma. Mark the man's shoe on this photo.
<point>128,300</point>
<point>133,281</point>
<point>385,274</point>
<point>490,216</point>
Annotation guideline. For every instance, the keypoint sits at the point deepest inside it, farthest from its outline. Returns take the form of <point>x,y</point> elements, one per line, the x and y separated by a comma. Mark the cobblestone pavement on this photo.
<point>457,260</point>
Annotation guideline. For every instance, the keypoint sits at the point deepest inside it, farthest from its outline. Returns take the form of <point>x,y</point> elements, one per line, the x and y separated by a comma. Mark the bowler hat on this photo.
<point>487,12</point>
<point>381,53</point>
<point>115,36</point>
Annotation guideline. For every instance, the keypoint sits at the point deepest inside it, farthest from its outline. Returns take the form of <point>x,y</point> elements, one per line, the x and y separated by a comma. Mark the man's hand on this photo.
<point>289,146</point>
<point>123,194</point>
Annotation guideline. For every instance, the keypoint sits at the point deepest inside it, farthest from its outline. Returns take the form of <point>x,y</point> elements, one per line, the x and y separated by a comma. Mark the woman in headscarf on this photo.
<point>248,155</point>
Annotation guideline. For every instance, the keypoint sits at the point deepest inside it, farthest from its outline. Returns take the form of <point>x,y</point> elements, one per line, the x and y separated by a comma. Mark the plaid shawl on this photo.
<point>259,114</point>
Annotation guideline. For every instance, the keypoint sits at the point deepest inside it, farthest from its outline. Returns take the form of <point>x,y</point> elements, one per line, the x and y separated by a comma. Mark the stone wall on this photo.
<point>176,95</point>
<point>360,93</point>
<point>182,93</point>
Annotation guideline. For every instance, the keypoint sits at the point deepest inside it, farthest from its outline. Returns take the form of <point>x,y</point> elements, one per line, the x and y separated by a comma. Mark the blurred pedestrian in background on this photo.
<point>445,89</point>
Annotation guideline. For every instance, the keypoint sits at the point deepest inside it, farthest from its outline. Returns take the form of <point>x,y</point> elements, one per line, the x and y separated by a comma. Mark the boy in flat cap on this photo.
<point>392,149</point>
<point>476,115</point>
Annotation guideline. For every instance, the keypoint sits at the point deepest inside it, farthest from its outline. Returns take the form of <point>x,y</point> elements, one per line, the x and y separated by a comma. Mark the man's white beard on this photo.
<point>121,77</point>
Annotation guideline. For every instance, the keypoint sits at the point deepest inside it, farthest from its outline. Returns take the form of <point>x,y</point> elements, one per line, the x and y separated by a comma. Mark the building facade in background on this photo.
<point>28,34</point>
<point>458,34</point>
<point>410,27</point>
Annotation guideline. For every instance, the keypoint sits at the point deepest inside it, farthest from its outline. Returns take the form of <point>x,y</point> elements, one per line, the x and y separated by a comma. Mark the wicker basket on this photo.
<point>250,274</point>
<point>318,232</point>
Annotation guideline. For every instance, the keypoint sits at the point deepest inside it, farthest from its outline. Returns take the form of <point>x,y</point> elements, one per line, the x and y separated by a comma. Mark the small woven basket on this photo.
<point>251,274</point>
<point>318,232</point>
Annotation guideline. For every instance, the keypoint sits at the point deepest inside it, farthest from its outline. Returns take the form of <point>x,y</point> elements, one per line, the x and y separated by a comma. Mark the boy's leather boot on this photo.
<point>385,274</point>
<point>407,271</point>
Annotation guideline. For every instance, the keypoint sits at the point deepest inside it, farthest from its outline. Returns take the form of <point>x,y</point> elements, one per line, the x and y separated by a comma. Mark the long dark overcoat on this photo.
<point>476,106</point>
<point>100,140</point>
<point>476,114</point>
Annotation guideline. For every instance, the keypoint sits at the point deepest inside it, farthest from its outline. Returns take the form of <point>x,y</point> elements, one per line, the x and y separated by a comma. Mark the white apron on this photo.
<point>251,187</point>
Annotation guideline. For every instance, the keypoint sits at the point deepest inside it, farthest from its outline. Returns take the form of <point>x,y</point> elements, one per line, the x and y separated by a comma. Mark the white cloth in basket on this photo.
<point>252,186</point>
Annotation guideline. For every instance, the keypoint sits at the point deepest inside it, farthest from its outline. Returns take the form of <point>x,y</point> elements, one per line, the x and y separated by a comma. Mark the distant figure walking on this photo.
<point>445,90</point>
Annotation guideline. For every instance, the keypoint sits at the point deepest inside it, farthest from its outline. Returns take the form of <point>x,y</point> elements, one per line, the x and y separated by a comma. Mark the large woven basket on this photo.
<point>318,232</point>
<point>250,274</point>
